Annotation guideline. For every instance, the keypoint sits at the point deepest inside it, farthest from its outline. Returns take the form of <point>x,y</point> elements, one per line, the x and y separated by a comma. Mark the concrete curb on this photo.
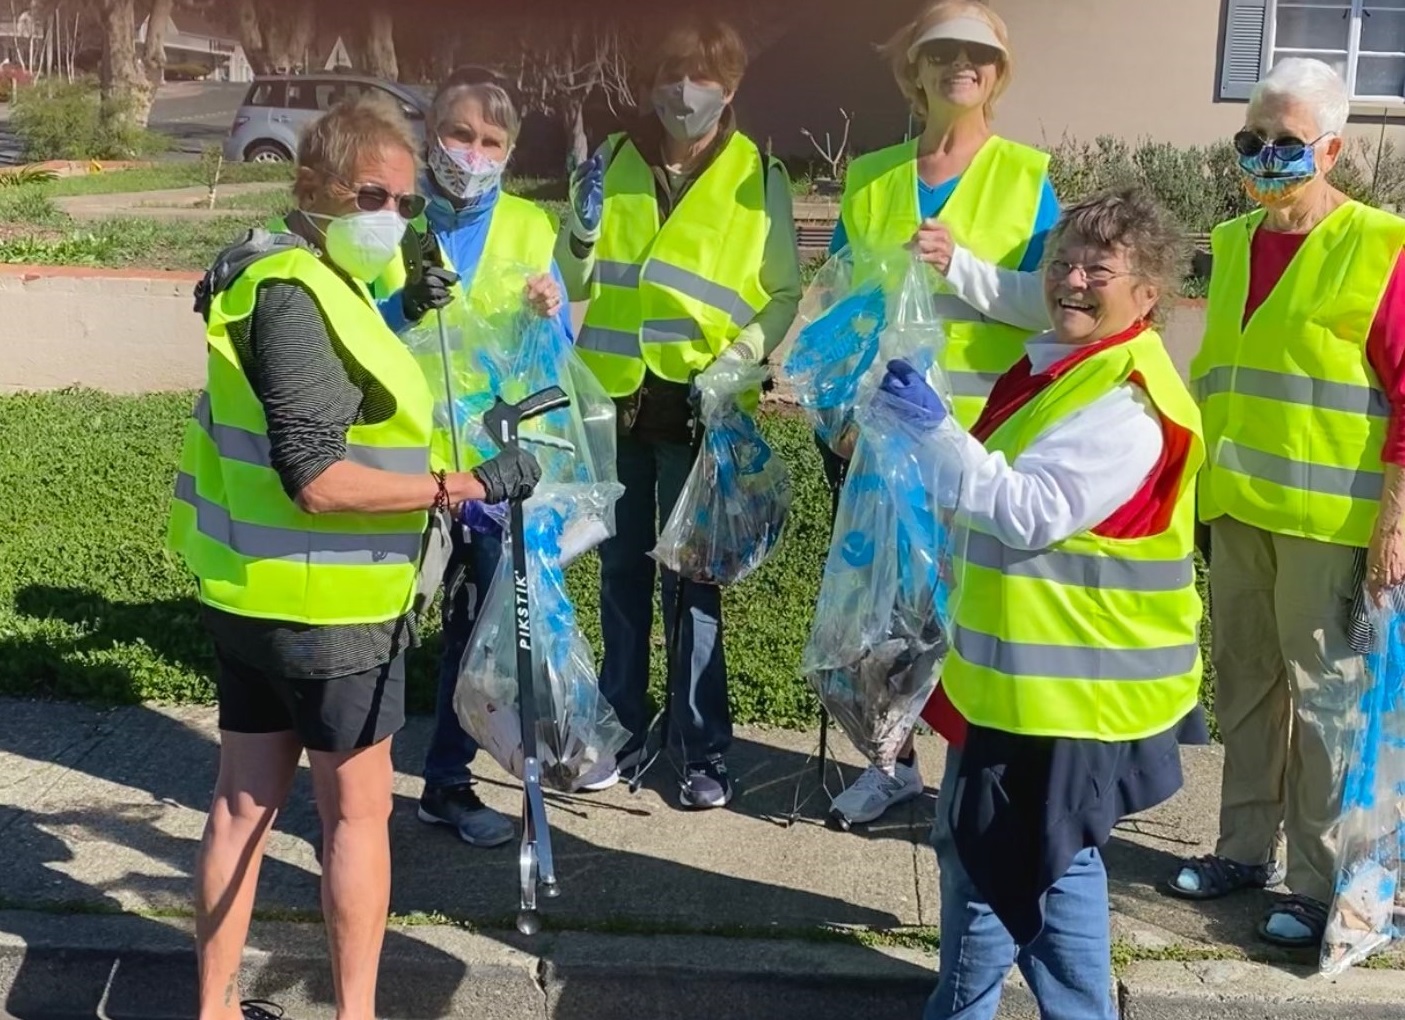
<point>53,967</point>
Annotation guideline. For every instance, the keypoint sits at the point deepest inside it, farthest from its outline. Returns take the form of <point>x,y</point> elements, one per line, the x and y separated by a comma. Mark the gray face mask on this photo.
<point>689,110</point>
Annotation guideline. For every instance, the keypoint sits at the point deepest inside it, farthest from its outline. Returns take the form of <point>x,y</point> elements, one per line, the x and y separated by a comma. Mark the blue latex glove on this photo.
<point>907,385</point>
<point>484,518</point>
<point>588,198</point>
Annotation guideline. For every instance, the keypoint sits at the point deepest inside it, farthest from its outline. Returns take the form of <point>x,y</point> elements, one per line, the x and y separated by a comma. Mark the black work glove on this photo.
<point>429,292</point>
<point>512,474</point>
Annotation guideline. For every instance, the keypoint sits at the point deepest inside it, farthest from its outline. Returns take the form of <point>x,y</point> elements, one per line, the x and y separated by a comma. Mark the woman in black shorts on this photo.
<point>307,507</point>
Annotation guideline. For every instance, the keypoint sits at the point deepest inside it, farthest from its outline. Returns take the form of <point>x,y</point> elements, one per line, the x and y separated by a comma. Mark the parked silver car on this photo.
<point>278,107</point>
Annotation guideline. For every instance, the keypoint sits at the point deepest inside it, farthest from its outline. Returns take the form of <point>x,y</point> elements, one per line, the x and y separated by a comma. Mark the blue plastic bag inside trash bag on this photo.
<point>882,620</point>
<point>576,727</point>
<point>1367,915</point>
<point>734,505</point>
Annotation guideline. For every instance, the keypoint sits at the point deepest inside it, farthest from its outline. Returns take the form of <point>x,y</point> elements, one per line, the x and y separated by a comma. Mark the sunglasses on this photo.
<point>948,51</point>
<point>1251,144</point>
<point>374,198</point>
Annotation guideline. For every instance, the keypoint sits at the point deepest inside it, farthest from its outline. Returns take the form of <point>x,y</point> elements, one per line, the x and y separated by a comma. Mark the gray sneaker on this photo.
<point>459,808</point>
<point>706,785</point>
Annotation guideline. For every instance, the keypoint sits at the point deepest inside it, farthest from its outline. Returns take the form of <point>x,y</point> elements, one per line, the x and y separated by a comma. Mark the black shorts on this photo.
<point>345,713</point>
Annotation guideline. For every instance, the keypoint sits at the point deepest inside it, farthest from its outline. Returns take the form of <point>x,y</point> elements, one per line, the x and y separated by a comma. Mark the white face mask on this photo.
<point>464,173</point>
<point>363,243</point>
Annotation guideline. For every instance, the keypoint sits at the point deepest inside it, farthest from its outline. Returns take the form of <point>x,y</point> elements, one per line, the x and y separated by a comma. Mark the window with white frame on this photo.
<point>1363,39</point>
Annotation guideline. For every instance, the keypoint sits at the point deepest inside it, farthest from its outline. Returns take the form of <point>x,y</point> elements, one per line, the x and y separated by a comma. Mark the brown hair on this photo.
<point>707,49</point>
<point>895,50</point>
<point>334,143</point>
<point>1131,219</point>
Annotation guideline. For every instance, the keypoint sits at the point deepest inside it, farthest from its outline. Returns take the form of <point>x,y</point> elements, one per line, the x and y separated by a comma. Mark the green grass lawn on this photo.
<point>91,606</point>
<point>163,177</point>
<point>124,242</point>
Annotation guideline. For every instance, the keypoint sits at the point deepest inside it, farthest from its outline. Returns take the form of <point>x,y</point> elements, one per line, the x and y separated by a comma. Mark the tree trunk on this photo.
<point>246,16</point>
<point>153,55</point>
<point>573,120</point>
<point>127,93</point>
<point>380,43</point>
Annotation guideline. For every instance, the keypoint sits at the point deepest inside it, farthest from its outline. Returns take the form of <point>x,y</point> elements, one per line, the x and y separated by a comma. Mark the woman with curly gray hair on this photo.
<point>1074,653</point>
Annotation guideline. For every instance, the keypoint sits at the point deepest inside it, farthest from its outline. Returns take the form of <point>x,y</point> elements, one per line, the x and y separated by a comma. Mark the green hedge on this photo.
<point>91,607</point>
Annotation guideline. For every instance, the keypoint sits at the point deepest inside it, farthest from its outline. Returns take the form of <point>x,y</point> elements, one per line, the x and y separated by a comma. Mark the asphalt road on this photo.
<point>190,114</point>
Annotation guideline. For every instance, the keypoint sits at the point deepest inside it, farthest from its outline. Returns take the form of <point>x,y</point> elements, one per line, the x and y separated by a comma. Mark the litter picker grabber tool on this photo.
<point>416,252</point>
<point>662,721</point>
<point>534,859</point>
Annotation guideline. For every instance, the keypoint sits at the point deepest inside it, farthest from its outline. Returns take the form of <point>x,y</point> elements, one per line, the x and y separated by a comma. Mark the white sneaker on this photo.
<point>874,792</point>
<point>604,775</point>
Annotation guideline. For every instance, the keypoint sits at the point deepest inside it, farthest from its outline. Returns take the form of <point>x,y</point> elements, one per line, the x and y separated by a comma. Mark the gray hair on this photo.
<point>1312,82</point>
<point>493,100</point>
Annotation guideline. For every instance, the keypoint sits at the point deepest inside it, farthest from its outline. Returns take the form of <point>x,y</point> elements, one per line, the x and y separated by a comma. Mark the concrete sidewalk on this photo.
<point>662,913</point>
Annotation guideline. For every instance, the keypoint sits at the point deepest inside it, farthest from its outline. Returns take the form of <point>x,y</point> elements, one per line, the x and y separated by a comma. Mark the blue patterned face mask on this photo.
<point>1275,171</point>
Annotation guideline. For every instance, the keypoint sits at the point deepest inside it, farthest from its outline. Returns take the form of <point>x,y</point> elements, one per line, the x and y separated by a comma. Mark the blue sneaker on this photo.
<point>459,808</point>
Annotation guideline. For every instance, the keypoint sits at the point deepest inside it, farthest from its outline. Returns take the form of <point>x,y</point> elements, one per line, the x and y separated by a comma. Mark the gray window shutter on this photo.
<point>1241,63</point>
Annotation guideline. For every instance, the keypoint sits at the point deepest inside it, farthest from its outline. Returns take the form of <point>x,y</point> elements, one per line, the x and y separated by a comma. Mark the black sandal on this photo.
<point>261,1009</point>
<point>1220,876</point>
<point>1310,913</point>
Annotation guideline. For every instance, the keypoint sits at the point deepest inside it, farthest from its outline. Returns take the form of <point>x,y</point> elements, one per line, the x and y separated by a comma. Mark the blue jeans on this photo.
<point>471,567</point>
<point>653,474</point>
<point>1068,966</point>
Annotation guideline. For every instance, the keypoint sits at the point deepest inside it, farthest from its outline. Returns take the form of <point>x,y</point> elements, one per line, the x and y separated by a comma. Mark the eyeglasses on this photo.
<point>374,198</point>
<point>1096,275</point>
<point>1290,148</point>
<point>946,51</point>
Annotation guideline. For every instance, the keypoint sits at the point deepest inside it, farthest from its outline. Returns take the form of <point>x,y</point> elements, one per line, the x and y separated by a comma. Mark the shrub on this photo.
<point>12,78</point>
<point>23,175</point>
<point>61,120</point>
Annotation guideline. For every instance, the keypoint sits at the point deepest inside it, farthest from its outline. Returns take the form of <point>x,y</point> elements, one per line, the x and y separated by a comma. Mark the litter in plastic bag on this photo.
<point>861,310</point>
<point>736,500</point>
<point>1367,913</point>
<point>882,620</point>
<point>576,727</point>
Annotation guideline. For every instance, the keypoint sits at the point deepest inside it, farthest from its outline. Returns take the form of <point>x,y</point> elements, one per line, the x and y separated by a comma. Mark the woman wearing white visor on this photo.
<point>978,208</point>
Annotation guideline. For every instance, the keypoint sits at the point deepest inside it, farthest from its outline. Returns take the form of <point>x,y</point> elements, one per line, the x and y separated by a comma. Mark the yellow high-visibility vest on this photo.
<point>1092,638</point>
<point>1295,417</point>
<point>670,297</point>
<point>521,239</point>
<point>253,550</point>
<point>991,213</point>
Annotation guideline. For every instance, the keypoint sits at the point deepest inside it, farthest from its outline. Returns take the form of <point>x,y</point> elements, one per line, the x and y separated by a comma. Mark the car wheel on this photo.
<point>266,152</point>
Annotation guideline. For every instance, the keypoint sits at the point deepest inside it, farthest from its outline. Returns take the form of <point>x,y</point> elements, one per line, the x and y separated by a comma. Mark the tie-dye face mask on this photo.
<point>1275,171</point>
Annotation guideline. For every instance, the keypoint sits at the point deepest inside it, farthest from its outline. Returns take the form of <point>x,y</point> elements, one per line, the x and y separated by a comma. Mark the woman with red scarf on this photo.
<point>1075,654</point>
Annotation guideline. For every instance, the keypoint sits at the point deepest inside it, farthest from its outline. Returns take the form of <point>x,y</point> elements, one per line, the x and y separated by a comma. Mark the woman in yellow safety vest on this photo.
<point>1075,641</point>
<point>978,208</point>
<point>307,508</point>
<point>682,237</point>
<point>472,237</point>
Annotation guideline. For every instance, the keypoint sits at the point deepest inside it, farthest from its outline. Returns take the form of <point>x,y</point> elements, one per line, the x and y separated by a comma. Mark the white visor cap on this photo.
<point>969,29</point>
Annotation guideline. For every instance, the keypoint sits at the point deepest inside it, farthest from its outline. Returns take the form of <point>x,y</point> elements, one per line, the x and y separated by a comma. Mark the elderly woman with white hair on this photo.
<point>469,223</point>
<point>1301,385</point>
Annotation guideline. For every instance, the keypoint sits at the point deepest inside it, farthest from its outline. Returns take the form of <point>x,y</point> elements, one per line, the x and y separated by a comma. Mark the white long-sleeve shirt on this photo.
<point>1074,474</point>
<point>1005,295</point>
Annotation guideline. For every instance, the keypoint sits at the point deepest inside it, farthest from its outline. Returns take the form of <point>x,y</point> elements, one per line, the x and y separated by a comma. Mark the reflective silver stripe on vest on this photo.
<point>1295,474</point>
<point>1293,389</point>
<point>714,295</point>
<point>972,384</point>
<point>670,331</point>
<point>234,443</point>
<point>609,341</point>
<point>953,309</point>
<point>609,273</point>
<point>262,542</point>
<point>1065,662</point>
<point>1107,573</point>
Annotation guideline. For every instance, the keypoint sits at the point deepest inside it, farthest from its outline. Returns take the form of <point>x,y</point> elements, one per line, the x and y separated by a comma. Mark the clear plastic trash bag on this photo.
<point>1367,914</point>
<point>576,727</point>
<point>736,500</point>
<point>882,621</point>
<point>464,392</point>
<point>861,310</point>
